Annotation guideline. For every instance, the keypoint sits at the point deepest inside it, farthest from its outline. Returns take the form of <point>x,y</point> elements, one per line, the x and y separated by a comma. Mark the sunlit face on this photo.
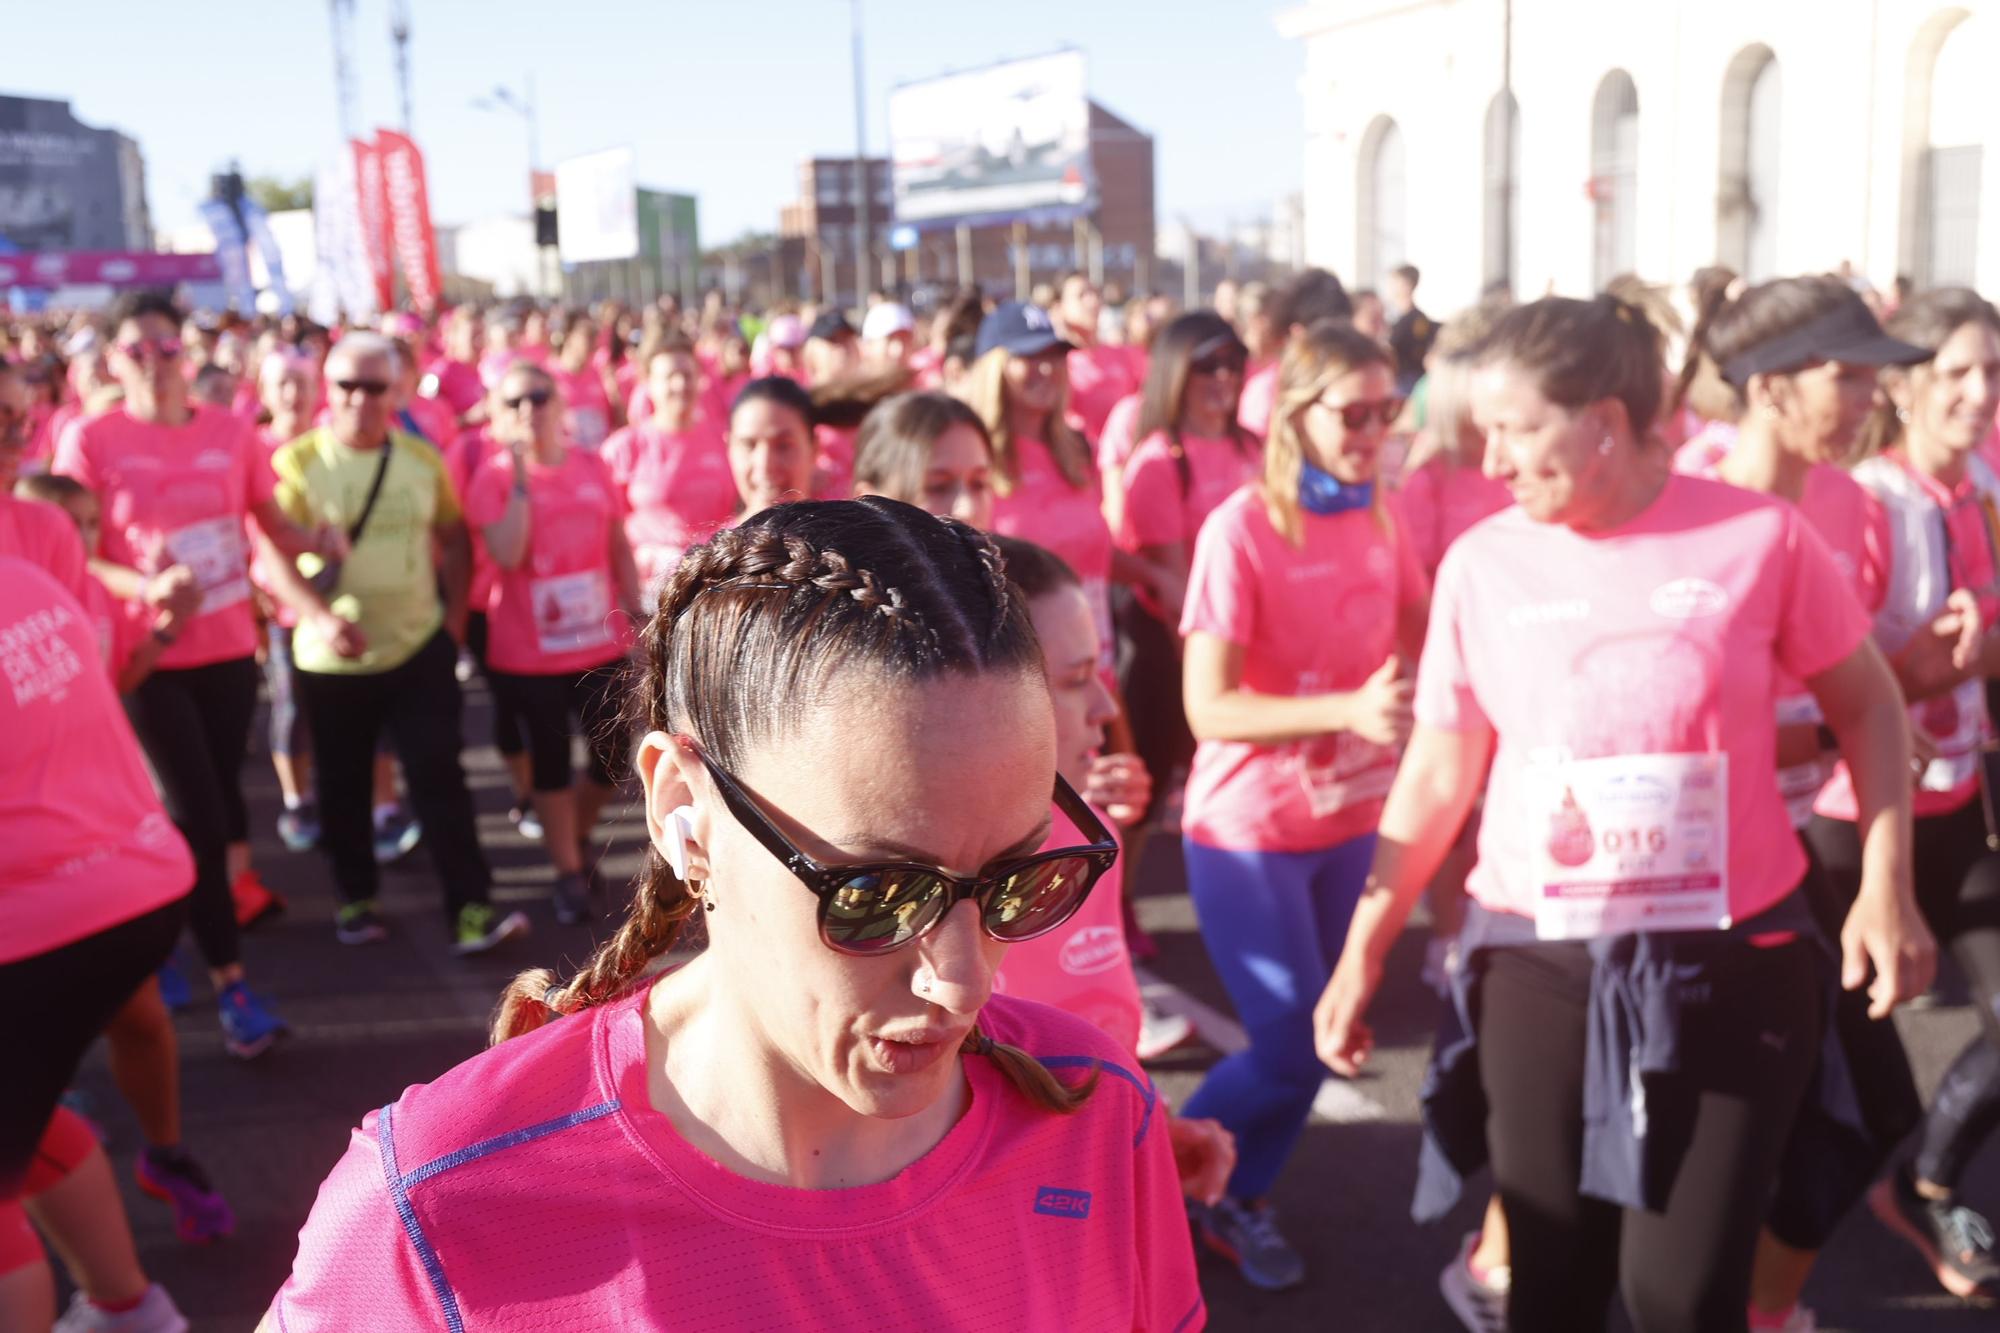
<point>290,394</point>
<point>1353,455</point>
<point>1952,398</point>
<point>865,776</point>
<point>1551,459</point>
<point>1080,307</point>
<point>1036,384</point>
<point>1214,384</point>
<point>1067,628</point>
<point>517,417</point>
<point>359,389</point>
<point>829,359</point>
<point>770,454</point>
<point>146,356</point>
<point>1820,409</point>
<point>673,380</point>
<point>958,480</point>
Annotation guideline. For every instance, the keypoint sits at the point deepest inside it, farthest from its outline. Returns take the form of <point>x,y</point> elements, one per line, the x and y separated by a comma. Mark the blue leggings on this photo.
<point>1274,923</point>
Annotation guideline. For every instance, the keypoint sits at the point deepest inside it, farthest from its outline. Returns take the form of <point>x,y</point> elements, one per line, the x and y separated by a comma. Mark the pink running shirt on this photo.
<point>1115,445</point>
<point>88,846</point>
<point>1310,620</point>
<point>1665,637</point>
<point>1441,501</point>
<point>454,383</point>
<point>1167,501</point>
<point>44,535</point>
<point>1046,509</point>
<point>534,1187</point>
<point>179,495</point>
<point>586,406</point>
<point>1098,378</point>
<point>559,611</point>
<point>677,488</point>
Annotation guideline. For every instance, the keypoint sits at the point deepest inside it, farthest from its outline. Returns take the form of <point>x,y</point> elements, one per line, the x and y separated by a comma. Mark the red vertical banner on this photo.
<point>371,186</point>
<point>409,208</point>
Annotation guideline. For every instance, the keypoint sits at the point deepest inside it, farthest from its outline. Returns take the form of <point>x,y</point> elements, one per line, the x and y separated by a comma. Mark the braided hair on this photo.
<point>746,632</point>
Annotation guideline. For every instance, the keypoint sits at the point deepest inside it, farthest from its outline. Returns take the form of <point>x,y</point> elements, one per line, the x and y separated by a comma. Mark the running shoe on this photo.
<point>359,923</point>
<point>249,1027</point>
<point>525,821</point>
<point>571,899</point>
<point>1955,1241</point>
<point>200,1213</point>
<point>254,900</point>
<point>396,837</point>
<point>298,829</point>
<point>1160,1032</point>
<point>155,1313</point>
<point>481,927</point>
<point>174,989</point>
<point>1479,1300</point>
<point>1247,1235</point>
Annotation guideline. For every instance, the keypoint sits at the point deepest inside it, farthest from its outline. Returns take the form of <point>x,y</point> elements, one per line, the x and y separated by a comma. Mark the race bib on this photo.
<point>572,611</point>
<point>1632,843</point>
<point>213,550</point>
<point>1955,724</point>
<point>1343,770</point>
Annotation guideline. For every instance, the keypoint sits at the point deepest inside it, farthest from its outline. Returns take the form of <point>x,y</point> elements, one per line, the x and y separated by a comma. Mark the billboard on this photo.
<point>597,207</point>
<point>997,144</point>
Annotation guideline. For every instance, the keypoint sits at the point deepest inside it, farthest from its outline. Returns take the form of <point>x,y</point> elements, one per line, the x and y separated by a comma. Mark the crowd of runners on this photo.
<point>1648,636</point>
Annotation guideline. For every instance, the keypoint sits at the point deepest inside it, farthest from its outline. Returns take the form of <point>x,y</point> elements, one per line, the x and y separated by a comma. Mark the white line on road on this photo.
<point>1337,1102</point>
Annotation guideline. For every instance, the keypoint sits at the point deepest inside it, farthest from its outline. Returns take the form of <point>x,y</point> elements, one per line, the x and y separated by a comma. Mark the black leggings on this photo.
<point>506,720</point>
<point>61,1000</point>
<point>546,706</point>
<point>194,723</point>
<point>1749,1053</point>
<point>1958,890</point>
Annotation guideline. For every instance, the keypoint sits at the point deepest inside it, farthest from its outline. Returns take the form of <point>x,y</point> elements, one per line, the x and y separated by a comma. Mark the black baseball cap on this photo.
<point>1846,333</point>
<point>832,326</point>
<point>1022,328</point>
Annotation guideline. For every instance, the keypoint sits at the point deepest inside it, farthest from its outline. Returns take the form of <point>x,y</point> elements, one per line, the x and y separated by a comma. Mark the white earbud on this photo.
<point>675,836</point>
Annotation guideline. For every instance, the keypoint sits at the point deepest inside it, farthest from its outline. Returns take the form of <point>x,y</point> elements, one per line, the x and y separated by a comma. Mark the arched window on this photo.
<point>1614,176</point>
<point>1503,189</point>
<point>1746,197</point>
<point>1379,225</point>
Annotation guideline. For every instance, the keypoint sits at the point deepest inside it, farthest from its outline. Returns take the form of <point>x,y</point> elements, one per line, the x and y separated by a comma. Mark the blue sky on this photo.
<point>721,98</point>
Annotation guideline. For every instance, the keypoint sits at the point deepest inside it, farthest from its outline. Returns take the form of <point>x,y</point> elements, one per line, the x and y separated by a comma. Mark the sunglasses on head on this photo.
<point>533,398</point>
<point>871,907</point>
<point>1357,415</point>
<point>373,388</point>
<point>165,348</point>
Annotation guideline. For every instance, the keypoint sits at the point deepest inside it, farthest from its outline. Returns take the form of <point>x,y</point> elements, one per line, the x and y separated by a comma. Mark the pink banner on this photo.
<point>410,218</point>
<point>371,186</point>
<point>117,268</point>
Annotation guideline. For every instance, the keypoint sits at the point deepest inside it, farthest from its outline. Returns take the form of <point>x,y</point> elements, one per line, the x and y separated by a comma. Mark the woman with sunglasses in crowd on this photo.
<point>1641,995</point>
<point>560,622</point>
<point>1304,601</point>
<point>177,482</point>
<point>672,467</point>
<point>849,764</point>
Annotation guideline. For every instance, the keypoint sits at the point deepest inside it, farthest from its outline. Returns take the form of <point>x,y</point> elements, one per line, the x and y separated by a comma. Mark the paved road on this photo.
<point>368,1022</point>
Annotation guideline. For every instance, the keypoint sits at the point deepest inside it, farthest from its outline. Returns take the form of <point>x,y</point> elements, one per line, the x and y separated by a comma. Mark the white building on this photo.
<point>1775,136</point>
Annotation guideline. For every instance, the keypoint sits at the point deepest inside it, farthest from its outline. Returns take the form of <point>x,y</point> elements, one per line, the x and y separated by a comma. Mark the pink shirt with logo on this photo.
<point>677,487</point>
<point>558,612</point>
<point>534,1187</point>
<point>1083,967</point>
<point>1098,378</point>
<point>179,495</point>
<point>1442,500</point>
<point>1310,620</point>
<point>1669,636</point>
<point>1166,501</point>
<point>1046,509</point>
<point>88,846</point>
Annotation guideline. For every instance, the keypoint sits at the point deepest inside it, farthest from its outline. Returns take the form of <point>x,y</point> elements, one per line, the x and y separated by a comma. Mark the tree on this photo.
<point>277,195</point>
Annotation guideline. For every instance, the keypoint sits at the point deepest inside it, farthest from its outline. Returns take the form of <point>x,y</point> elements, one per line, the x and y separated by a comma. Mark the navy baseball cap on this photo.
<point>831,326</point>
<point>1022,328</point>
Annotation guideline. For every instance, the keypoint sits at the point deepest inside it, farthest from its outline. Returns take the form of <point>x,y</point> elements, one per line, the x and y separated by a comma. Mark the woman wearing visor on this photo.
<point>826,1119</point>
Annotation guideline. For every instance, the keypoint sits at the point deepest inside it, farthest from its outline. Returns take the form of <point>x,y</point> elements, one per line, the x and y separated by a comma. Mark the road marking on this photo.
<point>1338,1102</point>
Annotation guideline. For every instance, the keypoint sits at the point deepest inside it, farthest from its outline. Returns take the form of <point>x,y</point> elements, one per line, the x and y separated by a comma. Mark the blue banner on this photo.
<point>259,223</point>
<point>232,252</point>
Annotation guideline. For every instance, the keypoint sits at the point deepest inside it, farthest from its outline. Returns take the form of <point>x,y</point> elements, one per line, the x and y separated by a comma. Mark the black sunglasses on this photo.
<point>1357,415</point>
<point>533,397</point>
<point>1217,363</point>
<point>871,907</point>
<point>373,388</point>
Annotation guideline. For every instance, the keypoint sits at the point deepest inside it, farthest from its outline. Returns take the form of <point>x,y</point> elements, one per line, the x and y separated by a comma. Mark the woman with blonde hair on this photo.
<point>1304,602</point>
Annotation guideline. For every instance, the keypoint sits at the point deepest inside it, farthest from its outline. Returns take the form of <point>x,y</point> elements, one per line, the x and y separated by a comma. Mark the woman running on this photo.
<point>672,467</point>
<point>1646,985</point>
<point>1304,600</point>
<point>828,1104</point>
<point>559,625</point>
<point>1941,498</point>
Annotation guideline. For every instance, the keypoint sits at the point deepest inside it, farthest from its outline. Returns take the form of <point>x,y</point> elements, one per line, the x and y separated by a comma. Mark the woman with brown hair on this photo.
<point>826,1118</point>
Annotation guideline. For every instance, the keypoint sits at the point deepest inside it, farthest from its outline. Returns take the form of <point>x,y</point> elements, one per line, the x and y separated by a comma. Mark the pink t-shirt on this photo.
<point>1114,446</point>
<point>87,844</point>
<point>1083,967</point>
<point>586,406</point>
<point>465,457</point>
<point>558,611</point>
<point>1046,509</point>
<point>433,420</point>
<point>1663,638</point>
<point>44,535</point>
<point>1310,620</point>
<point>1441,501</point>
<point>1260,394</point>
<point>534,1187</point>
<point>118,626</point>
<point>1166,501</point>
<point>178,495</point>
<point>454,383</point>
<point>677,487</point>
<point>1098,378</point>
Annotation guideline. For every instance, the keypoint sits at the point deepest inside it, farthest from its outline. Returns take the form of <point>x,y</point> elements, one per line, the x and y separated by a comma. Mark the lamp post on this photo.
<point>503,98</point>
<point>862,248</point>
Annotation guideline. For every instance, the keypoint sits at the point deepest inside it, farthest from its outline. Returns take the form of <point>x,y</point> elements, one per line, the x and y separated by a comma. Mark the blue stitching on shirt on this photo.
<point>399,1193</point>
<point>1144,1085</point>
<point>487,1147</point>
<point>1189,1317</point>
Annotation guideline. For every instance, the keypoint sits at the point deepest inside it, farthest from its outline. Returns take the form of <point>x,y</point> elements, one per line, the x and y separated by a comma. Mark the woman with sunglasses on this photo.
<point>1303,602</point>
<point>1640,996</point>
<point>672,467</point>
<point>559,624</point>
<point>827,1105</point>
<point>177,482</point>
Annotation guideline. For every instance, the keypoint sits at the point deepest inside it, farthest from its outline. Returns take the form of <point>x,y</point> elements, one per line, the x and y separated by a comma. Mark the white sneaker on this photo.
<point>156,1313</point>
<point>1161,1032</point>
<point>1481,1305</point>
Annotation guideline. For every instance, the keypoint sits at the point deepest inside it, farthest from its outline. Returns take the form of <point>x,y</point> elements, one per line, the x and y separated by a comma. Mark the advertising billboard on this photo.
<point>1003,143</point>
<point>597,207</point>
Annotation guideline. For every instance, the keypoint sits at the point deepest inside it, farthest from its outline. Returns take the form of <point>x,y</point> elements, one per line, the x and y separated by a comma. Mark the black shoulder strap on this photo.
<point>374,490</point>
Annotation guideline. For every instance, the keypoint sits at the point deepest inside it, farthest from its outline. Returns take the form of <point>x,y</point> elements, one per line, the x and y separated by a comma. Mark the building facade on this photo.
<point>1554,144</point>
<point>65,185</point>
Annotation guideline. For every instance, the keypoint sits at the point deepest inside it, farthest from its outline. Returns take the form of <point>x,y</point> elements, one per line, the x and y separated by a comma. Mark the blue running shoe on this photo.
<point>396,837</point>
<point>249,1027</point>
<point>174,988</point>
<point>1246,1233</point>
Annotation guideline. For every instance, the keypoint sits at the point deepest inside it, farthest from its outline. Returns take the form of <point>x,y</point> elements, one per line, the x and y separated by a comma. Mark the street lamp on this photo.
<point>503,98</point>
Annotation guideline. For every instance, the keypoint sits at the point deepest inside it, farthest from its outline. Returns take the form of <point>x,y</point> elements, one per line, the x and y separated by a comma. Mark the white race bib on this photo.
<point>1632,843</point>
<point>213,550</point>
<point>572,611</point>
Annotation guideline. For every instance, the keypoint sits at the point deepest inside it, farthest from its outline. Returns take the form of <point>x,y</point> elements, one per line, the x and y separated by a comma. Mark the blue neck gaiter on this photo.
<point>1320,492</point>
